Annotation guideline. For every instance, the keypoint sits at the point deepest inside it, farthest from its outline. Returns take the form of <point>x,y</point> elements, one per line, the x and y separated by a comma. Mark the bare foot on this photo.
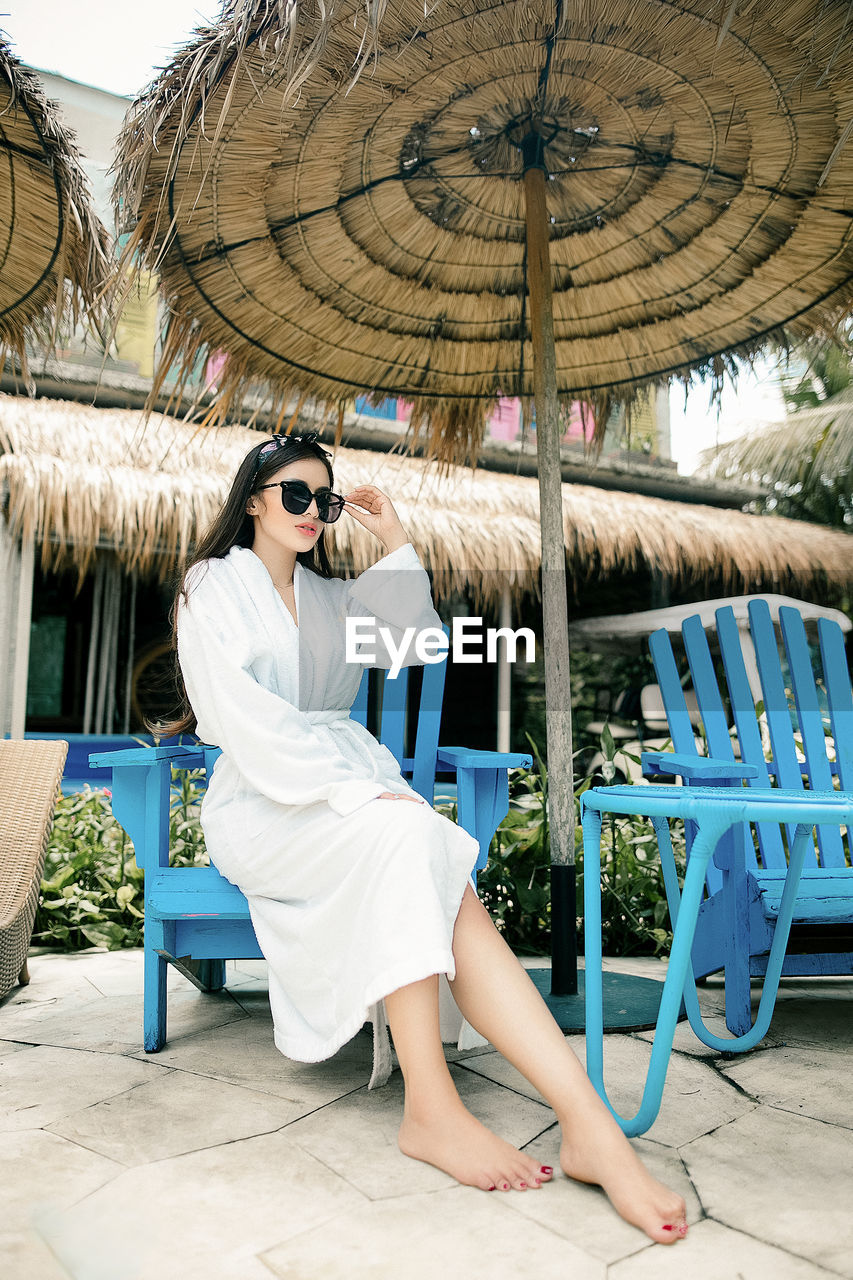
<point>453,1140</point>
<point>604,1156</point>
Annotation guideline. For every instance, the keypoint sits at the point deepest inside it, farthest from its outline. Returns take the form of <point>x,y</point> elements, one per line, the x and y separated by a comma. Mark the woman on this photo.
<point>359,892</point>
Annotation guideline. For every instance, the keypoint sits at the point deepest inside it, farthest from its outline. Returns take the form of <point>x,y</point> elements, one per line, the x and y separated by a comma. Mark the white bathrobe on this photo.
<point>350,896</point>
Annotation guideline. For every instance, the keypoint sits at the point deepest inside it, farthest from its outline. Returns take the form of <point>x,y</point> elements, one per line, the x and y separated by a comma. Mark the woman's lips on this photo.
<point>308,529</point>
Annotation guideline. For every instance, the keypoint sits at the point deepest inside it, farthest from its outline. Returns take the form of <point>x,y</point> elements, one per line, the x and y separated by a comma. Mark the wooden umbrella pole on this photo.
<point>555,617</point>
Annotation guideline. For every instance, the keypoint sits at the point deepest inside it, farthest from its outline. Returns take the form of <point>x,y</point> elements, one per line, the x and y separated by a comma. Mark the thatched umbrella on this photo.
<point>53,249</point>
<point>487,196</point>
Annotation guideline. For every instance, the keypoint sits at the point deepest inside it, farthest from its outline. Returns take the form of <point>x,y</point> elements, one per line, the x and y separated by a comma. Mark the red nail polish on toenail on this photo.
<point>682,1230</point>
<point>546,1168</point>
<point>504,1186</point>
<point>668,1227</point>
<point>491,1188</point>
<point>522,1184</point>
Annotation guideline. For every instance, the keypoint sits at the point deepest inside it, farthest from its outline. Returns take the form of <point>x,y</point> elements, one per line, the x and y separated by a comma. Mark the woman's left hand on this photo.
<point>399,795</point>
<point>374,509</point>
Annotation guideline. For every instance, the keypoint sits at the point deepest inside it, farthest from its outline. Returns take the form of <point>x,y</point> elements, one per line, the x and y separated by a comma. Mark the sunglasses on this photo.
<point>296,498</point>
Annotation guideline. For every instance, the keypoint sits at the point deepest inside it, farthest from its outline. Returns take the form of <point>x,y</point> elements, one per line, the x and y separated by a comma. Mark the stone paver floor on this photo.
<point>217,1159</point>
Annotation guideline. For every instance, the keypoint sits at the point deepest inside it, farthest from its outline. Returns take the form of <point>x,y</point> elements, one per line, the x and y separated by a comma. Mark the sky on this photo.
<point>113,44</point>
<point>695,426</point>
<point>119,44</point>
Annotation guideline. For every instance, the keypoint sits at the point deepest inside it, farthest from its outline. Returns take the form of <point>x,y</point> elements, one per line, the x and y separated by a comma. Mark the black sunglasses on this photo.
<point>296,498</point>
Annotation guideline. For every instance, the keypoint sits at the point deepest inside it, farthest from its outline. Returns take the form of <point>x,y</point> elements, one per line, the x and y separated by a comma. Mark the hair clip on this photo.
<point>280,440</point>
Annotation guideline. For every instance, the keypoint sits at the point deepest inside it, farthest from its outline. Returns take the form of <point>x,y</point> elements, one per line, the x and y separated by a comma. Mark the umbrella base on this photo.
<point>630,1003</point>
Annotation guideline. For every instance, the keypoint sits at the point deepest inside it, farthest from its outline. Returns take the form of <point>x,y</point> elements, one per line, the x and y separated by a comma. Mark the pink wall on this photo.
<point>505,422</point>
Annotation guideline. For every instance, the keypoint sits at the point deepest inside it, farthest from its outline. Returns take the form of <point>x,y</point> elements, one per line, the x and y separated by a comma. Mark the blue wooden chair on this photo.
<point>194,917</point>
<point>786,743</point>
<point>769,886</point>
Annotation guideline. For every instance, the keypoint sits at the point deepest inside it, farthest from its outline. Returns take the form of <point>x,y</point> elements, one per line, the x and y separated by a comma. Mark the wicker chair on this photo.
<point>30,774</point>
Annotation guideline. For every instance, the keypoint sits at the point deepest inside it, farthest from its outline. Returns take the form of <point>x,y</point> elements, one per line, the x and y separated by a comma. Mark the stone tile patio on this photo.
<point>217,1159</point>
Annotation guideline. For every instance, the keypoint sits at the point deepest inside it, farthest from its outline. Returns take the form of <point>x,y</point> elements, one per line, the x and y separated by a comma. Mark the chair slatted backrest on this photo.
<point>713,712</point>
<point>707,690</point>
<point>394,693</point>
<point>358,710</point>
<point>839,696</point>
<point>680,724</point>
<point>748,729</point>
<point>429,727</point>
<point>810,719</point>
<point>785,767</point>
<point>392,723</point>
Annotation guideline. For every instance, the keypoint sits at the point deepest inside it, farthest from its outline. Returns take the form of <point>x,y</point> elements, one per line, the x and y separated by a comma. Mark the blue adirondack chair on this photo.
<point>761,895</point>
<point>786,743</point>
<point>194,917</point>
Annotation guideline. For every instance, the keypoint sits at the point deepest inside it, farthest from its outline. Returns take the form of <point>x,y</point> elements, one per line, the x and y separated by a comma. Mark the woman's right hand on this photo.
<point>375,510</point>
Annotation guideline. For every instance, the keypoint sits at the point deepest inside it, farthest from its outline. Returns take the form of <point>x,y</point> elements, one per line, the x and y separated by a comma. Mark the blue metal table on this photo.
<point>713,810</point>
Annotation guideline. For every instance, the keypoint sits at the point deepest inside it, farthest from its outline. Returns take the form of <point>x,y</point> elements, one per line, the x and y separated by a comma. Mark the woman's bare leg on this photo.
<point>437,1127</point>
<point>500,1001</point>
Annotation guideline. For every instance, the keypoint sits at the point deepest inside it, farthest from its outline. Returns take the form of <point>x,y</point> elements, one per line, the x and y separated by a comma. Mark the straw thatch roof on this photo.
<point>809,448</point>
<point>335,236</point>
<point>77,478</point>
<point>53,250</point>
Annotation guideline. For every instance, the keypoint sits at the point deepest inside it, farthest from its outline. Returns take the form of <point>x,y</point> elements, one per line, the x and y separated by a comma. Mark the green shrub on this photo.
<point>515,884</point>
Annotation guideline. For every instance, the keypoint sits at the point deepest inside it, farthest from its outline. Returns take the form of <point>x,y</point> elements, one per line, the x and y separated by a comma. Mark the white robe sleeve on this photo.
<point>394,593</point>
<point>273,744</point>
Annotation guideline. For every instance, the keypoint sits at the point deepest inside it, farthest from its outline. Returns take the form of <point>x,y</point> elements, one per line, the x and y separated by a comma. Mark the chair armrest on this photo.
<point>141,793</point>
<point>482,790</point>
<point>150,756</point>
<point>468,758</point>
<point>705,768</point>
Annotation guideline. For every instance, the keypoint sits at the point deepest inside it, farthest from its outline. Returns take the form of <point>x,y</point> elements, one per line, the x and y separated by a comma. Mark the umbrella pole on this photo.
<point>555,616</point>
<point>628,1003</point>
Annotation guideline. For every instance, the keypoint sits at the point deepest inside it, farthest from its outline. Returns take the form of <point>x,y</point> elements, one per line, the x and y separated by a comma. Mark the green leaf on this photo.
<point>608,746</point>
<point>57,881</point>
<point>104,935</point>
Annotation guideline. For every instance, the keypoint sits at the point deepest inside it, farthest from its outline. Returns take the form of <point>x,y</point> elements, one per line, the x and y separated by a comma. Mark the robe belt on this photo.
<point>328,715</point>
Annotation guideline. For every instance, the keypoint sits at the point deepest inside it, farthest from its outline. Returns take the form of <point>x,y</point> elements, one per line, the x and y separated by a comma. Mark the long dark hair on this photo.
<point>234,527</point>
